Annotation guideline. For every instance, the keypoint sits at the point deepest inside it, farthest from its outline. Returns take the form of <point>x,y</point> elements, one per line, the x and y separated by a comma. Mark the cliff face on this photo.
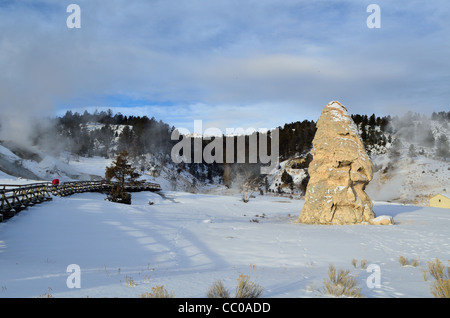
<point>339,172</point>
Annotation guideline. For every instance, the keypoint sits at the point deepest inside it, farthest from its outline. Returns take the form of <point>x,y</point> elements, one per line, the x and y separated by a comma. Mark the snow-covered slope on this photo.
<point>415,174</point>
<point>410,180</point>
<point>404,178</point>
<point>276,185</point>
<point>45,168</point>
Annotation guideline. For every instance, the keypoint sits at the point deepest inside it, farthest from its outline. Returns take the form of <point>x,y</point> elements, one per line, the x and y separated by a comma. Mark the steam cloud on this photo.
<point>271,53</point>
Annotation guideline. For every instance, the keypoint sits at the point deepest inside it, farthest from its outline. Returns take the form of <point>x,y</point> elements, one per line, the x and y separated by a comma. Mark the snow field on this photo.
<point>187,241</point>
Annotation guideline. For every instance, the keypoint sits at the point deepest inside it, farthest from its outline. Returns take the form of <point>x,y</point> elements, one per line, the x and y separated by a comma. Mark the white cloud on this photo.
<point>230,63</point>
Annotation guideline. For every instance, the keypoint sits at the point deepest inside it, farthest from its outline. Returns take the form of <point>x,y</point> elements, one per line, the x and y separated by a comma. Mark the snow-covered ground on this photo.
<point>187,241</point>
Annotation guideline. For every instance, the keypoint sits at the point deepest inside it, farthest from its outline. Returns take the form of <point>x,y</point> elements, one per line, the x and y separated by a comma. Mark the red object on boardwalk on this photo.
<point>55,181</point>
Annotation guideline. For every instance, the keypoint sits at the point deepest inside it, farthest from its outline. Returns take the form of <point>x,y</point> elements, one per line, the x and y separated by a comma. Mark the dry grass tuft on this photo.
<point>363,263</point>
<point>405,262</point>
<point>244,289</point>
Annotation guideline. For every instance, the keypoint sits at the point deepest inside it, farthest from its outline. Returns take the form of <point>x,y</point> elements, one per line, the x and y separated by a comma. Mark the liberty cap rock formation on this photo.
<point>339,172</point>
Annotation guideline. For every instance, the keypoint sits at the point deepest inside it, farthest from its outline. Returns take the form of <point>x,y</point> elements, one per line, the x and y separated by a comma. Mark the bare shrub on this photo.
<point>440,288</point>
<point>244,289</point>
<point>129,281</point>
<point>217,290</point>
<point>341,283</point>
<point>46,295</point>
<point>415,262</point>
<point>158,292</point>
<point>436,269</point>
<point>363,264</point>
<point>247,289</point>
<point>403,261</point>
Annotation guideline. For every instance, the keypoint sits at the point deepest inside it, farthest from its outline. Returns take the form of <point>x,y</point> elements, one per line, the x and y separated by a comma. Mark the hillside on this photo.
<point>409,166</point>
<point>411,171</point>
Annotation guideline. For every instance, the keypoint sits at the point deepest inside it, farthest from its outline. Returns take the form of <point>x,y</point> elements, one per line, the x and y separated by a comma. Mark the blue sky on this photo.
<point>230,63</point>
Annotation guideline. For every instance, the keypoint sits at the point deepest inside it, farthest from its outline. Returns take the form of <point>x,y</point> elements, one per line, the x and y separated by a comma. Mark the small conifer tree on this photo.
<point>286,177</point>
<point>122,171</point>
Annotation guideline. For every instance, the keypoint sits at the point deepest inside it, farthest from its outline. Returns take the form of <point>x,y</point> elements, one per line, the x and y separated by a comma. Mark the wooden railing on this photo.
<point>14,198</point>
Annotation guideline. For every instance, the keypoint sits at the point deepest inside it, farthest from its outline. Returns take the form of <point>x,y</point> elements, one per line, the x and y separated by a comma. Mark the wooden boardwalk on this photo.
<point>15,198</point>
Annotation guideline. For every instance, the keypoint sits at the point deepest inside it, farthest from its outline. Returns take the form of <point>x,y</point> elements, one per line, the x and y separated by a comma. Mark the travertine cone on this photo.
<point>339,172</point>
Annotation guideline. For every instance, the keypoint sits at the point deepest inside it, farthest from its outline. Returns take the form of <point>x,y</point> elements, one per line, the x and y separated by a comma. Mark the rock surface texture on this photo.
<point>339,172</point>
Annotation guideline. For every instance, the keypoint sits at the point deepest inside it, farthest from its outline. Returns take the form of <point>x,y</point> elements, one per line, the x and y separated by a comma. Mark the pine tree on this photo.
<point>442,147</point>
<point>286,177</point>
<point>363,132</point>
<point>372,120</point>
<point>411,151</point>
<point>126,138</point>
<point>123,172</point>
